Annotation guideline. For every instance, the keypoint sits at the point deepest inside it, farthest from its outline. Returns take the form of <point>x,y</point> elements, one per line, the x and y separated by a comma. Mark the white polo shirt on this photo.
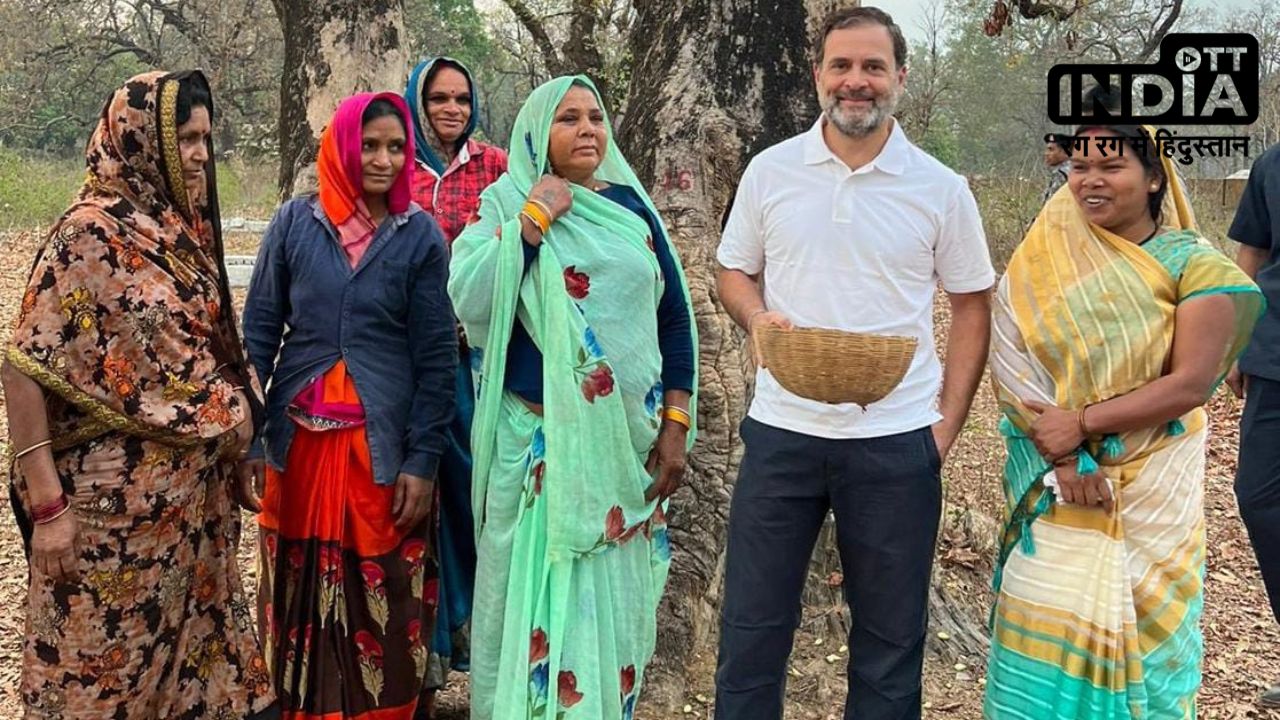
<point>861,251</point>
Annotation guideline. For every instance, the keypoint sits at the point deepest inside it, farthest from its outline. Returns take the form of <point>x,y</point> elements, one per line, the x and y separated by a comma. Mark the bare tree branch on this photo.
<point>1153,42</point>
<point>174,18</point>
<point>42,127</point>
<point>1031,10</point>
<point>538,30</point>
<point>1107,45</point>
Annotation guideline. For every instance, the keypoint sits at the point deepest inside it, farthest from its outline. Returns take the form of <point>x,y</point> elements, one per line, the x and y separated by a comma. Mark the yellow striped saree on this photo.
<point>1097,616</point>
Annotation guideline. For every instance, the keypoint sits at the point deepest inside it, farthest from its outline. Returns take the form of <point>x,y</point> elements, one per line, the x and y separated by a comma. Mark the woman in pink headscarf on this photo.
<point>360,395</point>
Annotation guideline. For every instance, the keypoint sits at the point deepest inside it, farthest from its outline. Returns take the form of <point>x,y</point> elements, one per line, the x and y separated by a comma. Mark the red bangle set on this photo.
<point>48,513</point>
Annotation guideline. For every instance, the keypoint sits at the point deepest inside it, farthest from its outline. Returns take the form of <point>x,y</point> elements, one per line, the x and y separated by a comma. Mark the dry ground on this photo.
<point>1241,654</point>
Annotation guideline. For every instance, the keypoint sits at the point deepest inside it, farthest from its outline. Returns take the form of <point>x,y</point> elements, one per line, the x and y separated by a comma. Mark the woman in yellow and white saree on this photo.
<point>1114,324</point>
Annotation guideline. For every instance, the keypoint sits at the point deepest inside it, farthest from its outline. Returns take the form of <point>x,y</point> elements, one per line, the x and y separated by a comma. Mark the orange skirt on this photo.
<point>342,594</point>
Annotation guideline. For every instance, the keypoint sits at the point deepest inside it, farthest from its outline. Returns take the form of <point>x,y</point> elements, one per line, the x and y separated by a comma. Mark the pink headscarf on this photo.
<point>342,174</point>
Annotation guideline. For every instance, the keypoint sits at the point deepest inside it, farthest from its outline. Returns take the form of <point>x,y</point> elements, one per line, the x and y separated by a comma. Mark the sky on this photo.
<point>909,14</point>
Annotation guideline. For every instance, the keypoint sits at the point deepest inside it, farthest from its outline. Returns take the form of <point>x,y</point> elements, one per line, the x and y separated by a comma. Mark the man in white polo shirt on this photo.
<point>851,227</point>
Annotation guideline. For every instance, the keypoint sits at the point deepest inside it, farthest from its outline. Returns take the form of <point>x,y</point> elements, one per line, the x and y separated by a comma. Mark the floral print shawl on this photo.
<point>127,318</point>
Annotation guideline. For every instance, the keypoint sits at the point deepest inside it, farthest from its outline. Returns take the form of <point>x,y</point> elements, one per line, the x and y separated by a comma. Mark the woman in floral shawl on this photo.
<point>583,342</point>
<point>129,400</point>
<point>1114,324</point>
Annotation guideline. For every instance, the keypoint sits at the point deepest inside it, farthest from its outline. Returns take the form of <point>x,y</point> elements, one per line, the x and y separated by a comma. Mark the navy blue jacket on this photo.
<point>390,319</point>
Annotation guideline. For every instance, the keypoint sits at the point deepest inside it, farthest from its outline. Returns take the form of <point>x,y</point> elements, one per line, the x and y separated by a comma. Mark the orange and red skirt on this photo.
<point>346,602</point>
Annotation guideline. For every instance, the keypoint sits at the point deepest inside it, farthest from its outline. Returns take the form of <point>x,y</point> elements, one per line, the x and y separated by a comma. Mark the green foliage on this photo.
<point>941,142</point>
<point>1007,207</point>
<point>60,59</point>
<point>448,27</point>
<point>996,97</point>
<point>54,111</point>
<point>247,189</point>
<point>34,191</point>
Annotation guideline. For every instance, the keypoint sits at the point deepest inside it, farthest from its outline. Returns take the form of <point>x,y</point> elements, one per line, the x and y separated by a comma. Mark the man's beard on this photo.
<point>860,124</point>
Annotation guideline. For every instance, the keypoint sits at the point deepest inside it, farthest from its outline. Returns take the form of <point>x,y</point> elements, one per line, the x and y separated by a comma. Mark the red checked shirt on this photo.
<point>455,198</point>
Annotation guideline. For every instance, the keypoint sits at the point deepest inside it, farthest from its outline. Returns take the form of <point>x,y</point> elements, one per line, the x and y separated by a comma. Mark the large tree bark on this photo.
<point>715,82</point>
<point>332,49</point>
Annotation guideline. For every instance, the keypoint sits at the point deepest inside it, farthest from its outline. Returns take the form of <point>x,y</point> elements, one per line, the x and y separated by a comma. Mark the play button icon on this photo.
<point>1187,59</point>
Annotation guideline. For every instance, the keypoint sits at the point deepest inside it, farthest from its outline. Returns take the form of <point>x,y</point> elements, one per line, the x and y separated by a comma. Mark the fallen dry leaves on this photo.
<point>1241,653</point>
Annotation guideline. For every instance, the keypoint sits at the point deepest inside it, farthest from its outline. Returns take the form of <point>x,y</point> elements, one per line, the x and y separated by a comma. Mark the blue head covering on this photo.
<point>413,95</point>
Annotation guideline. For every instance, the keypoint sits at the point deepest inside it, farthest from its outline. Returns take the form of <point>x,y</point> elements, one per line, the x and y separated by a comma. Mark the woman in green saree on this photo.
<point>583,344</point>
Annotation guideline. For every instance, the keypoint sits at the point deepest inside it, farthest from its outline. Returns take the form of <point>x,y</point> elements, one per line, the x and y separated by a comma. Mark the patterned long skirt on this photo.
<point>557,639</point>
<point>345,603</point>
<point>157,626</point>
<point>1098,616</point>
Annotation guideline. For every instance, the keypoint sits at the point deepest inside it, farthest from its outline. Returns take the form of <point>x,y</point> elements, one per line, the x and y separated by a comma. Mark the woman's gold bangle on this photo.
<point>33,448</point>
<point>678,415</point>
<point>536,214</point>
<point>546,210</point>
<point>533,220</point>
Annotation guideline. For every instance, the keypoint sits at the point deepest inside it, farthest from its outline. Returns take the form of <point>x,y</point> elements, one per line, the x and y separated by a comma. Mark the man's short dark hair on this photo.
<point>857,16</point>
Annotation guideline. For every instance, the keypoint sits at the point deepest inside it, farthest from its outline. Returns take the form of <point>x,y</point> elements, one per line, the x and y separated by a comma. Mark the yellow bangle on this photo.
<point>533,220</point>
<point>678,416</point>
<point>536,214</point>
<point>546,211</point>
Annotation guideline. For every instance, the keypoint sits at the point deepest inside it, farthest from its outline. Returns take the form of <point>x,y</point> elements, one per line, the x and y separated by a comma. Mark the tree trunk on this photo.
<point>331,50</point>
<point>715,82</point>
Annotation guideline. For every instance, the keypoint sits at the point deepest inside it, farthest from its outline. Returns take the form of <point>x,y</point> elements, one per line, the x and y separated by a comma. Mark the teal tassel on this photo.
<point>1041,507</point>
<point>1085,464</point>
<point>1042,504</point>
<point>1025,542</point>
<point>1112,446</point>
<point>1176,428</point>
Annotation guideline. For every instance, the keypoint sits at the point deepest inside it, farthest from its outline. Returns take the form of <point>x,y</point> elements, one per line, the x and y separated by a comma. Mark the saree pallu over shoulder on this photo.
<point>1069,283</point>
<point>127,315</point>
<point>127,324</point>
<point>1097,616</point>
<point>572,557</point>
<point>593,262</point>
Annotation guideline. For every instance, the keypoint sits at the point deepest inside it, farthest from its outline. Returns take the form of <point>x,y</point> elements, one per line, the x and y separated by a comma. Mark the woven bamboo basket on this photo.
<point>834,366</point>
